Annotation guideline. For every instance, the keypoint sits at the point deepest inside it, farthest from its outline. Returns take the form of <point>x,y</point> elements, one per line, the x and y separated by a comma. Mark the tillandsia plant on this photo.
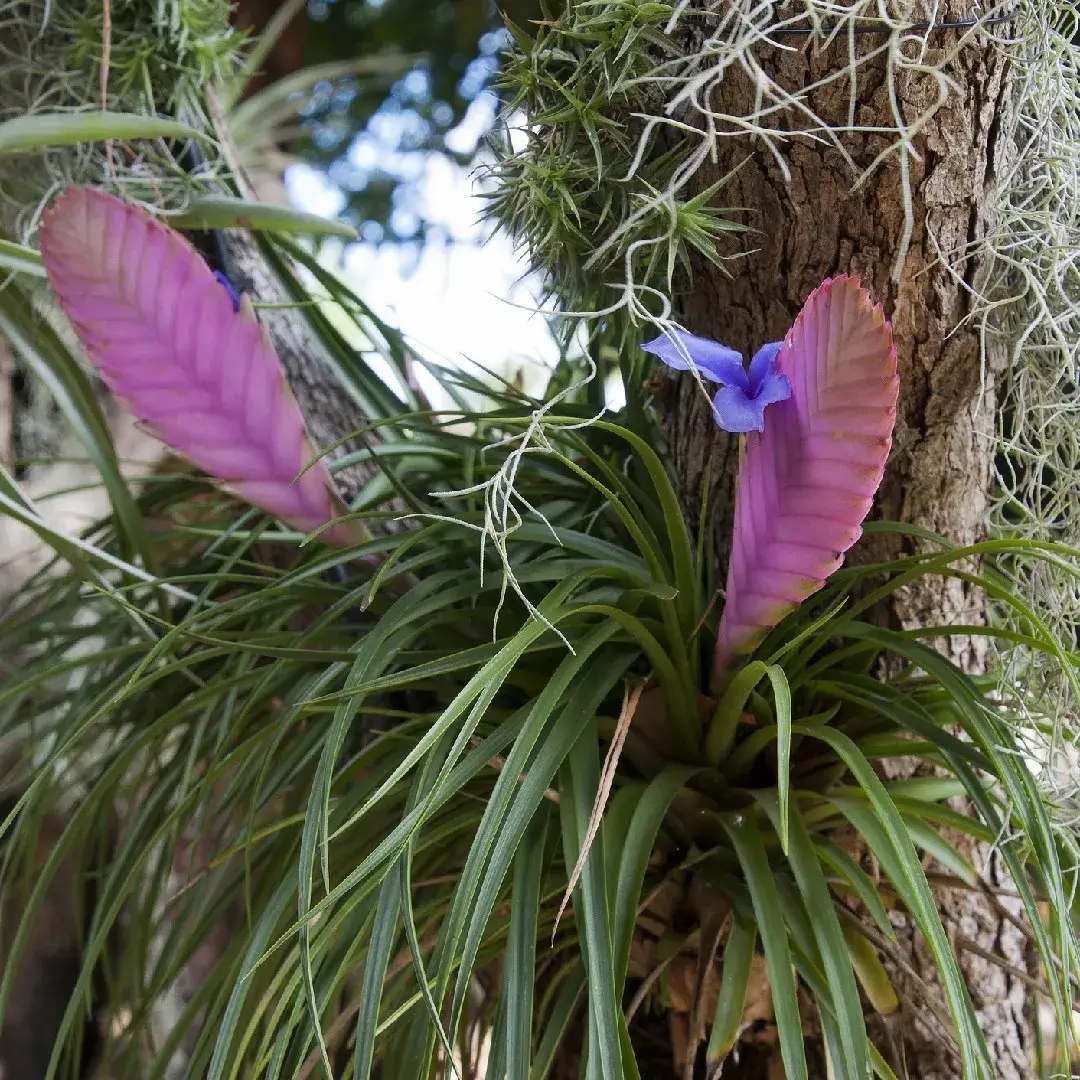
<point>157,323</point>
<point>381,810</point>
<point>808,477</point>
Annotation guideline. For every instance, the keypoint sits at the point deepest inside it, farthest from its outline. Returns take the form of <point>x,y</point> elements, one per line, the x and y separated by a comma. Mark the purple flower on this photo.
<point>234,296</point>
<point>739,404</point>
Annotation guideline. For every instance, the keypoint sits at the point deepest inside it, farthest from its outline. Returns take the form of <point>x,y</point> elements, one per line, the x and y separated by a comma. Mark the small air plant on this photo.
<point>812,463</point>
<point>717,838</point>
<point>187,357</point>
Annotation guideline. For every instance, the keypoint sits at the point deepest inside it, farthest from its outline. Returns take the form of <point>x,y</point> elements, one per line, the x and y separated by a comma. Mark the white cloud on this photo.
<point>455,301</point>
<point>463,299</point>
<point>310,189</point>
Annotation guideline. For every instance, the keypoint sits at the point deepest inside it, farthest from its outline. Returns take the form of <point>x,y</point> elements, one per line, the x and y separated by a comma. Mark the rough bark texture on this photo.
<point>330,413</point>
<point>814,227</point>
<point>939,472</point>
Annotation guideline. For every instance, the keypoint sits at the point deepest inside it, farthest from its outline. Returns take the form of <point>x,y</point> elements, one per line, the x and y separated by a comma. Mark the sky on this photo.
<point>466,298</point>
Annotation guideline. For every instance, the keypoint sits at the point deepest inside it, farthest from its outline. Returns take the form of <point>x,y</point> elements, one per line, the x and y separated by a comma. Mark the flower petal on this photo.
<point>167,339</point>
<point>234,296</point>
<point>765,363</point>
<point>774,388</point>
<point>715,361</point>
<point>806,484</point>
<point>736,411</point>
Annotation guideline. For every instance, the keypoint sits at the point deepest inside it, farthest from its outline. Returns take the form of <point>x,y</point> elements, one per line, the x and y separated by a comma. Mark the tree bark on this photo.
<point>815,226</point>
<point>329,411</point>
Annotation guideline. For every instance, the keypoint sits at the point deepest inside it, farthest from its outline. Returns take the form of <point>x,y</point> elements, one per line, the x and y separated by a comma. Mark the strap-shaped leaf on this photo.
<point>808,480</point>
<point>201,374</point>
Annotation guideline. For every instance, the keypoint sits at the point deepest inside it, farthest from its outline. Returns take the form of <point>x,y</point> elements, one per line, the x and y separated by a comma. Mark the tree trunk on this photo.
<point>815,226</point>
<point>330,413</point>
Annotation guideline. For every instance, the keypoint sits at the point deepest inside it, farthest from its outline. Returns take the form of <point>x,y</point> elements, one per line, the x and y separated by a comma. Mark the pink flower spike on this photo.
<point>808,481</point>
<point>200,373</point>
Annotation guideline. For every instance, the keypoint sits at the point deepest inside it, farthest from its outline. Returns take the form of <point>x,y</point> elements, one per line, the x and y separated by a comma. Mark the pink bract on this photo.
<point>163,333</point>
<point>807,482</point>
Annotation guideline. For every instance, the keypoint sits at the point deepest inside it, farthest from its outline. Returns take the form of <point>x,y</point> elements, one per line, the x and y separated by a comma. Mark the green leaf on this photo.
<point>20,260</point>
<point>376,400</point>
<point>36,131</point>
<point>731,706</point>
<point>934,844</point>
<point>926,788</point>
<point>681,700</point>
<point>383,936</point>
<point>907,712</point>
<point>682,553</point>
<point>636,852</point>
<point>768,912</point>
<point>227,212</point>
<point>873,977</point>
<point>804,862</point>
<point>814,630</point>
<point>260,937</point>
<point>782,697</point>
<point>559,1023</point>
<point>881,1066</point>
<point>471,701</point>
<point>512,804</point>
<point>413,942</point>
<point>621,805</point>
<point>734,985</point>
<point>933,812</point>
<point>859,880</point>
<point>14,504</point>
<point>580,781</point>
<point>53,364</point>
<point>887,835</point>
<point>519,965</point>
<point>285,96</point>
<point>1001,757</point>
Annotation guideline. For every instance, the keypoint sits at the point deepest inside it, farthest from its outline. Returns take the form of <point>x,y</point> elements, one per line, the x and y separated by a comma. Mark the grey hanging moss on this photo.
<point>612,131</point>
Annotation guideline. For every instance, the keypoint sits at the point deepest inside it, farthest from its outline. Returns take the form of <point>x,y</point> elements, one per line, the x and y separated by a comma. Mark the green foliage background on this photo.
<point>380,773</point>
